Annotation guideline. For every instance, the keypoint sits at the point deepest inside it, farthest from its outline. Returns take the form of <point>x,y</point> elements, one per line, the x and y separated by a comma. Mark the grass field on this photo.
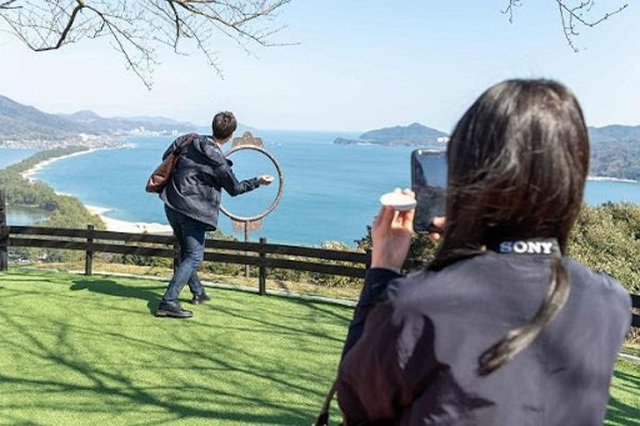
<point>80,350</point>
<point>624,401</point>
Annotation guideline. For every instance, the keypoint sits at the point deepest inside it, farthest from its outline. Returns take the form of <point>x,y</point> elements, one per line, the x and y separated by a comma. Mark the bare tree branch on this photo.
<point>8,4</point>
<point>137,28</point>
<point>509,9</point>
<point>572,14</point>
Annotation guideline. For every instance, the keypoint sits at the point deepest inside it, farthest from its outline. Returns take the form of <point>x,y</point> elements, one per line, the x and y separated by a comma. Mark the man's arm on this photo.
<point>227,180</point>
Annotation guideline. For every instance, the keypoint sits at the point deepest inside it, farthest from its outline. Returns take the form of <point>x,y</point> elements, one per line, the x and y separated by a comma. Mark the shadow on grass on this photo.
<point>620,413</point>
<point>114,390</point>
<point>324,308</point>
<point>293,327</point>
<point>10,278</point>
<point>112,288</point>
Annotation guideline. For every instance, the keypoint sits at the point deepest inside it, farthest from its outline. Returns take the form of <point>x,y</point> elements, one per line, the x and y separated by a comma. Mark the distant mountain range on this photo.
<point>417,134</point>
<point>414,134</point>
<point>22,123</point>
<point>100,125</point>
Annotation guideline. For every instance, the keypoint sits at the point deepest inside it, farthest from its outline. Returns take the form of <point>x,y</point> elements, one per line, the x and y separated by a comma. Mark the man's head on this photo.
<point>223,125</point>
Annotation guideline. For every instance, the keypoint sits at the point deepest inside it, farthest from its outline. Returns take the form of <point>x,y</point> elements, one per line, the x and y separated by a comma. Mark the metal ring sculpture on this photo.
<point>280,185</point>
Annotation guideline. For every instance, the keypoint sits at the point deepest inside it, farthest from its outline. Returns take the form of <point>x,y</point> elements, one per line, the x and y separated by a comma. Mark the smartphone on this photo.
<point>428,182</point>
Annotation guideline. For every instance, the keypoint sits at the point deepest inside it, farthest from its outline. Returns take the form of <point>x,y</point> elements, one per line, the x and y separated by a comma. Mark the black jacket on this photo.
<point>200,174</point>
<point>417,359</point>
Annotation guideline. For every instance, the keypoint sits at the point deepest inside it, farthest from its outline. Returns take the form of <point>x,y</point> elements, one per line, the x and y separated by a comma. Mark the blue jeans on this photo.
<point>190,234</point>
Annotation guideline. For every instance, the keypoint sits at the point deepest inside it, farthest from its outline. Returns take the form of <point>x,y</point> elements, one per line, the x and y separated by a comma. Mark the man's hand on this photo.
<point>391,236</point>
<point>265,179</point>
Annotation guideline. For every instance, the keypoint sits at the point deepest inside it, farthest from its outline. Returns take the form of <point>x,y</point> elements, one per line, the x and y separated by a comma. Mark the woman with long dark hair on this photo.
<point>502,328</point>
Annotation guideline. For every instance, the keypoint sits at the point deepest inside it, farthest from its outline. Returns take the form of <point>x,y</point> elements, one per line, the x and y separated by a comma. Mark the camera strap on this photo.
<point>530,246</point>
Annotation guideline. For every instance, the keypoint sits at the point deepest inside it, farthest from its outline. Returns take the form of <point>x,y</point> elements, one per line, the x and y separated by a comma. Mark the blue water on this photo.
<point>330,191</point>
<point>24,217</point>
<point>10,156</point>
<point>19,217</point>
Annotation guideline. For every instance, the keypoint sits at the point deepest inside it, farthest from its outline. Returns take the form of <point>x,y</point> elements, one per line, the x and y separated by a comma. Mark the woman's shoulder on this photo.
<point>454,277</point>
<point>597,285</point>
<point>452,287</point>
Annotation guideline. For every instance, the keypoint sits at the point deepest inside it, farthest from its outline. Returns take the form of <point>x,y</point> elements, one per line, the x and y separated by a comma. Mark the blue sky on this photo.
<point>358,65</point>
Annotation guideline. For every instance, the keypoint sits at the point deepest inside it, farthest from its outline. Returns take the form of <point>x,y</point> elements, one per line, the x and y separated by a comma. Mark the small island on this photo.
<point>414,134</point>
<point>615,152</point>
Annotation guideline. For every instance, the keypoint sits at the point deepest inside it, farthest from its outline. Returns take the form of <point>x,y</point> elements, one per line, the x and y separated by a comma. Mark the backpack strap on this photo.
<point>187,140</point>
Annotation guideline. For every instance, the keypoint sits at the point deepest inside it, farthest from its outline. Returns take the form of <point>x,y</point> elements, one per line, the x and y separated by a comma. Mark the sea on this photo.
<point>330,192</point>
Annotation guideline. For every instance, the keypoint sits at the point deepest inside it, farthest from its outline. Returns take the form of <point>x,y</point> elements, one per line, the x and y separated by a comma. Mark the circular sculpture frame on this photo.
<point>280,185</point>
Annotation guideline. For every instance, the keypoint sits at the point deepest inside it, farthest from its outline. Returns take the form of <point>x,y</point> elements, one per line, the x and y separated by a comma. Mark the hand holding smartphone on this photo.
<point>428,182</point>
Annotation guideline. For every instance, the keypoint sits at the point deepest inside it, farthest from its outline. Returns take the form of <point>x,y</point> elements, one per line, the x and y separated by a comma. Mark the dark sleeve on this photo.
<point>227,179</point>
<point>388,367</point>
<point>375,286</point>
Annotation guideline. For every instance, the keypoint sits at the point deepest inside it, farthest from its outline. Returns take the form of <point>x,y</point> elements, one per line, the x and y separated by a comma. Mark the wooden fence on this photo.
<point>259,254</point>
<point>244,253</point>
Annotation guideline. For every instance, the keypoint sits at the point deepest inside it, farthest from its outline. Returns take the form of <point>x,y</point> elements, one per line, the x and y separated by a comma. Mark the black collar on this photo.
<point>539,246</point>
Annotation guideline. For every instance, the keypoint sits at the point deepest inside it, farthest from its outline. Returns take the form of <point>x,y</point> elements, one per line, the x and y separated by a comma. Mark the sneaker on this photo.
<point>200,298</point>
<point>173,310</point>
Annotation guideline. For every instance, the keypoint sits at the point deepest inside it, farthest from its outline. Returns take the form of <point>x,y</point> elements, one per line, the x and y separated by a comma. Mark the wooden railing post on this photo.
<point>246,240</point>
<point>4,235</point>
<point>88,260</point>
<point>368,253</point>
<point>262,270</point>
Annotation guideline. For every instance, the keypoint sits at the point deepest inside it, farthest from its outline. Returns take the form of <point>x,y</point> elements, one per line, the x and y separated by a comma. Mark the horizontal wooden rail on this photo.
<point>208,256</point>
<point>346,271</point>
<point>95,247</point>
<point>209,243</point>
<point>246,253</point>
<point>96,235</point>
<point>282,249</point>
<point>345,256</point>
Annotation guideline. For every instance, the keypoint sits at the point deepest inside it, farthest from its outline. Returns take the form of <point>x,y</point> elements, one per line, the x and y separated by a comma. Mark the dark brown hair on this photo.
<point>518,160</point>
<point>223,125</point>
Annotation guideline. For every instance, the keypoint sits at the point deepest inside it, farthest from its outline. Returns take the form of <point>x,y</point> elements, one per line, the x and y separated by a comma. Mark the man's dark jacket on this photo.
<point>200,174</point>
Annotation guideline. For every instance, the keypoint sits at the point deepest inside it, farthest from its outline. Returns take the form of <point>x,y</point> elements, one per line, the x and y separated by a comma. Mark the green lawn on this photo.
<point>624,402</point>
<point>78,350</point>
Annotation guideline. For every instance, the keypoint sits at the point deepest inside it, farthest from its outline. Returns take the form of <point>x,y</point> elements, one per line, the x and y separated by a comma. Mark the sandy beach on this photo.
<point>117,225</point>
<point>611,179</point>
<point>28,174</point>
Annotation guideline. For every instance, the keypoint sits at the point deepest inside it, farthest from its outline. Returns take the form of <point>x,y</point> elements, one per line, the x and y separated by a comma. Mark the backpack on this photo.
<point>162,174</point>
